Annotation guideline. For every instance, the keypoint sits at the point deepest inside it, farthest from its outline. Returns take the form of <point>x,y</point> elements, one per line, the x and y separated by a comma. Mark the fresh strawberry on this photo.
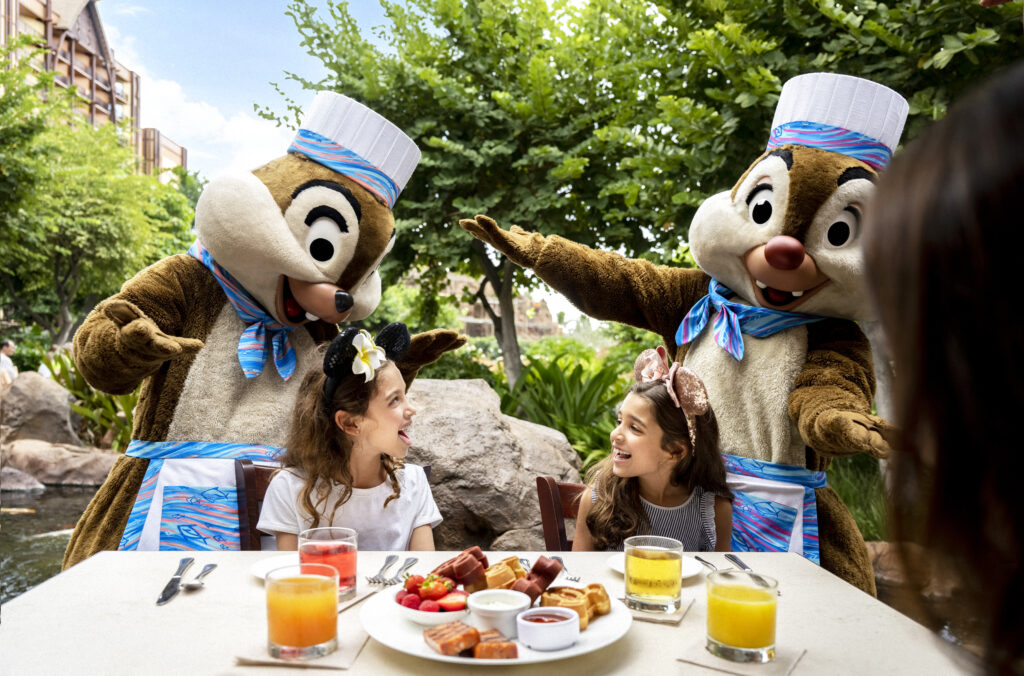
<point>411,601</point>
<point>413,582</point>
<point>434,587</point>
<point>448,582</point>
<point>429,606</point>
<point>452,602</point>
<point>401,595</point>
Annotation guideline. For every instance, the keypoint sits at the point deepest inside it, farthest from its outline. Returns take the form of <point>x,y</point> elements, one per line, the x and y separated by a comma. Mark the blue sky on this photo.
<point>205,63</point>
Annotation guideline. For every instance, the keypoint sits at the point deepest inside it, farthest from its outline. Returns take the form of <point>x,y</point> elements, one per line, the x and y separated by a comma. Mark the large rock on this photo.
<point>15,480</point>
<point>58,463</point>
<point>36,407</point>
<point>484,465</point>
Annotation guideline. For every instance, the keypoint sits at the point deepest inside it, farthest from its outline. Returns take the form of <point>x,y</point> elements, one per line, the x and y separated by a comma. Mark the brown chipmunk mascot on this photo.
<point>221,337</point>
<point>768,321</point>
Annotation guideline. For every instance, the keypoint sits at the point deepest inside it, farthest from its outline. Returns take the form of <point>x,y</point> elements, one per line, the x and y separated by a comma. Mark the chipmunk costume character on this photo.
<point>221,337</point>
<point>766,321</point>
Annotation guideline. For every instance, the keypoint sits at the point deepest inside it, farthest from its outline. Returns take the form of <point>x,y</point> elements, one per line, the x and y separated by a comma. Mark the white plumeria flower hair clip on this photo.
<point>355,353</point>
<point>368,357</point>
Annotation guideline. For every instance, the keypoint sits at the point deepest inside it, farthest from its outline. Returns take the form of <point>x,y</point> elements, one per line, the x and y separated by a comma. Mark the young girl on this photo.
<point>665,475</point>
<point>342,466</point>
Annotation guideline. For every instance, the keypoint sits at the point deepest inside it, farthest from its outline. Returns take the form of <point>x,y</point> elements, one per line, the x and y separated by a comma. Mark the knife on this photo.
<point>174,584</point>
<point>753,576</point>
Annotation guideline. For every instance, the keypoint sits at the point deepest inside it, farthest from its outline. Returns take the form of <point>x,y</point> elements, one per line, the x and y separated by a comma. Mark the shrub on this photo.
<point>859,482</point>
<point>106,418</point>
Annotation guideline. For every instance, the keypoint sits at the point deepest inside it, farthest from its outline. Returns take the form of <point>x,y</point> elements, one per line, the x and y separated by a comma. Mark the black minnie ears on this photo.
<point>355,352</point>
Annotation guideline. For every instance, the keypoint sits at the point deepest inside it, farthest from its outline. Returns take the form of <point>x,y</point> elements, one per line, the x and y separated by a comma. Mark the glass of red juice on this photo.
<point>335,547</point>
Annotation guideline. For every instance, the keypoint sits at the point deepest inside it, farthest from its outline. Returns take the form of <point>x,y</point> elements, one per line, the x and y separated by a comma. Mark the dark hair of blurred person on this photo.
<point>944,240</point>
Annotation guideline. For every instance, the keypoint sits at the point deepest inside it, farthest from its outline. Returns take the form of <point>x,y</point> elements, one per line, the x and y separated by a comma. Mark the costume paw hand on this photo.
<point>140,336</point>
<point>849,432</point>
<point>522,247</point>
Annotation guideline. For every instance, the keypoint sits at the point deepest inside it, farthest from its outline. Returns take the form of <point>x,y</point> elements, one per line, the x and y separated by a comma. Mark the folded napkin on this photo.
<point>350,644</point>
<point>785,661</point>
<point>661,618</point>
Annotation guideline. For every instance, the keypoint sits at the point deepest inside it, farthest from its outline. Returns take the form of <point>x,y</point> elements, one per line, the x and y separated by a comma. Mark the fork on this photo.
<point>379,577</point>
<point>565,571</point>
<point>409,563</point>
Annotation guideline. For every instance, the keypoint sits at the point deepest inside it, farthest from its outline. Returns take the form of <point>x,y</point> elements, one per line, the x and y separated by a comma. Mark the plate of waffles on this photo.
<point>382,620</point>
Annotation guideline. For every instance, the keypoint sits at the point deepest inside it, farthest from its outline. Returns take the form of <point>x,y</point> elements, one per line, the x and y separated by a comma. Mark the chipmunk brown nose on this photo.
<point>784,252</point>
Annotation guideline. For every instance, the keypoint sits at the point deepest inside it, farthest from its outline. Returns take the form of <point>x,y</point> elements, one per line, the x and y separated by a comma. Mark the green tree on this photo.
<point>189,183</point>
<point>503,97</point>
<point>91,223</point>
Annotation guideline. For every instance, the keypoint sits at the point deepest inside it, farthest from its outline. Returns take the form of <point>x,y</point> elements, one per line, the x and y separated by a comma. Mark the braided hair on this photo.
<point>316,445</point>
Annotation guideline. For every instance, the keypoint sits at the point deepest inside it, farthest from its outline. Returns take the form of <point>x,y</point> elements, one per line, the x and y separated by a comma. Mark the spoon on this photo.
<point>707,563</point>
<point>193,585</point>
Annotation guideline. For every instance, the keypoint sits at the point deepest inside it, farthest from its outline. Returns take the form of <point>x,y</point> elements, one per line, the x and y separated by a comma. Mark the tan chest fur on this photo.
<point>218,403</point>
<point>755,392</point>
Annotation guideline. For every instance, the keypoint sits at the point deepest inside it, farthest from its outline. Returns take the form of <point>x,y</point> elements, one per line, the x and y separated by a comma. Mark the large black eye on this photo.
<point>759,203</point>
<point>323,239</point>
<point>844,229</point>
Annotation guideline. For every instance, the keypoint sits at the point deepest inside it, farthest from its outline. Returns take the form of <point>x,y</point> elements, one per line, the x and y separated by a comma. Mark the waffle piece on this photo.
<point>494,646</point>
<point>545,571</point>
<point>528,585</point>
<point>515,566</point>
<point>466,570</point>
<point>569,597</point>
<point>477,554</point>
<point>598,599</point>
<point>499,576</point>
<point>451,638</point>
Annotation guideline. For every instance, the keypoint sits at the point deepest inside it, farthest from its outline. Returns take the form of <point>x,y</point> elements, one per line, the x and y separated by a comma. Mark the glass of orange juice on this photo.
<point>654,573</point>
<point>741,615</point>
<point>333,546</point>
<point>302,611</point>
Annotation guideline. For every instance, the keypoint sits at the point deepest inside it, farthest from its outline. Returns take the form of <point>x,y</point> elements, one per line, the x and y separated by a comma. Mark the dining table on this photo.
<point>101,617</point>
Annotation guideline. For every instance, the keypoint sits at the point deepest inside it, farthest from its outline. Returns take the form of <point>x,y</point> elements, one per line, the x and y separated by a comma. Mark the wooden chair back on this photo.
<point>558,501</point>
<point>252,481</point>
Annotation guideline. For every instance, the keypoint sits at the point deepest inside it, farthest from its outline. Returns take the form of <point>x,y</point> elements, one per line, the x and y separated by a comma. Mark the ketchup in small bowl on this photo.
<point>548,628</point>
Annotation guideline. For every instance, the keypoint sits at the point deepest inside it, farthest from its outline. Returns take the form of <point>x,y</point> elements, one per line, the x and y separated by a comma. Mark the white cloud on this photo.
<point>216,140</point>
<point>130,10</point>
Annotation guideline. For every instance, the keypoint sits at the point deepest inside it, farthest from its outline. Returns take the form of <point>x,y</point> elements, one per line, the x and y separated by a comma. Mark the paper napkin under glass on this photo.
<point>785,661</point>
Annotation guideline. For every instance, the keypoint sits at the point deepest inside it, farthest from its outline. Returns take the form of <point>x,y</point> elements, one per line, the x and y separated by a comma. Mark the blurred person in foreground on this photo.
<point>942,243</point>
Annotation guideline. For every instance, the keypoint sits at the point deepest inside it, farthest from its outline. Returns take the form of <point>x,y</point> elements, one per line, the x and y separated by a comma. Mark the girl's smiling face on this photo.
<point>384,427</point>
<point>636,442</point>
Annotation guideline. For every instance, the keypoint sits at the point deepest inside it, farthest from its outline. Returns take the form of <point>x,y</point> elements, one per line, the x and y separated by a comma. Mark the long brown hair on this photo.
<point>942,243</point>
<point>320,450</point>
<point>617,513</point>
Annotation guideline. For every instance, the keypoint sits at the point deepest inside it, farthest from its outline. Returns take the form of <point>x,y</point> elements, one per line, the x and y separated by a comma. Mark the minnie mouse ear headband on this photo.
<point>354,352</point>
<point>685,387</point>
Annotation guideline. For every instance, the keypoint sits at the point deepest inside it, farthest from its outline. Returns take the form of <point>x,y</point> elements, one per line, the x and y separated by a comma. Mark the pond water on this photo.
<point>32,543</point>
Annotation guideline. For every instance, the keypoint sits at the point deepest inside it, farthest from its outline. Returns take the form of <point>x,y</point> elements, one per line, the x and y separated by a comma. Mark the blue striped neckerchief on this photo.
<point>260,329</point>
<point>733,319</point>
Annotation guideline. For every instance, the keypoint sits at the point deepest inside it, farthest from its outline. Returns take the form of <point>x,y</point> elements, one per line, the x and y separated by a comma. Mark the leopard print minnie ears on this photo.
<point>685,387</point>
<point>354,352</point>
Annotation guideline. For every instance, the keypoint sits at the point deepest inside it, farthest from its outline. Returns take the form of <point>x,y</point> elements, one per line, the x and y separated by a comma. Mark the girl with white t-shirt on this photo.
<point>342,465</point>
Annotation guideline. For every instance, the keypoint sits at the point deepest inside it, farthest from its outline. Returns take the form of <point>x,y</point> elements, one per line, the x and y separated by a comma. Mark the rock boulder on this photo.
<point>58,463</point>
<point>36,407</point>
<point>484,465</point>
<point>15,480</point>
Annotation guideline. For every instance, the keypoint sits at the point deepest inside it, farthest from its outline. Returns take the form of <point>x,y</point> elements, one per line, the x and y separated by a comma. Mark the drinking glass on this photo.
<point>335,547</point>
<point>741,615</point>
<point>654,573</point>
<point>302,611</point>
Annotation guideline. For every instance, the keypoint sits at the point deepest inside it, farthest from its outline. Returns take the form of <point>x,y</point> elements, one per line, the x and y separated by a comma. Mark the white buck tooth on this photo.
<point>760,284</point>
<point>797,293</point>
<point>312,317</point>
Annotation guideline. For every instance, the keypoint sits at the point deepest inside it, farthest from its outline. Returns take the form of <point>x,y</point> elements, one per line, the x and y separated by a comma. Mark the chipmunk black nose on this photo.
<point>343,301</point>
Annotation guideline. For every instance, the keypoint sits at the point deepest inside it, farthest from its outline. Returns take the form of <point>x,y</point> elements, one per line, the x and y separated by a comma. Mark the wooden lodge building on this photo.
<point>108,91</point>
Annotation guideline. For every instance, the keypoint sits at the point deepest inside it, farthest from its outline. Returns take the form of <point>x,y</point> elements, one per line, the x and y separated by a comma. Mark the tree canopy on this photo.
<point>609,122</point>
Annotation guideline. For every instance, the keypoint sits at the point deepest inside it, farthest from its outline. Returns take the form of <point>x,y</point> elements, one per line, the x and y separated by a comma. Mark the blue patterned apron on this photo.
<point>188,499</point>
<point>774,508</point>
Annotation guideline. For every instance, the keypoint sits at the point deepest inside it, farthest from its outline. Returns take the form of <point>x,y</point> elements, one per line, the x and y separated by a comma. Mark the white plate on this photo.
<point>381,620</point>
<point>691,567</point>
<point>264,566</point>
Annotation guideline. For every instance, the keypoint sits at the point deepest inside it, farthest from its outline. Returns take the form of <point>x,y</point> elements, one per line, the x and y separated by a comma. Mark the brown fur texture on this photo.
<point>838,372</point>
<point>172,303</point>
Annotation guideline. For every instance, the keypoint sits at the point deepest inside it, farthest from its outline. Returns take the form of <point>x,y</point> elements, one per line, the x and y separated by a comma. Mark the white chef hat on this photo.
<point>353,140</point>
